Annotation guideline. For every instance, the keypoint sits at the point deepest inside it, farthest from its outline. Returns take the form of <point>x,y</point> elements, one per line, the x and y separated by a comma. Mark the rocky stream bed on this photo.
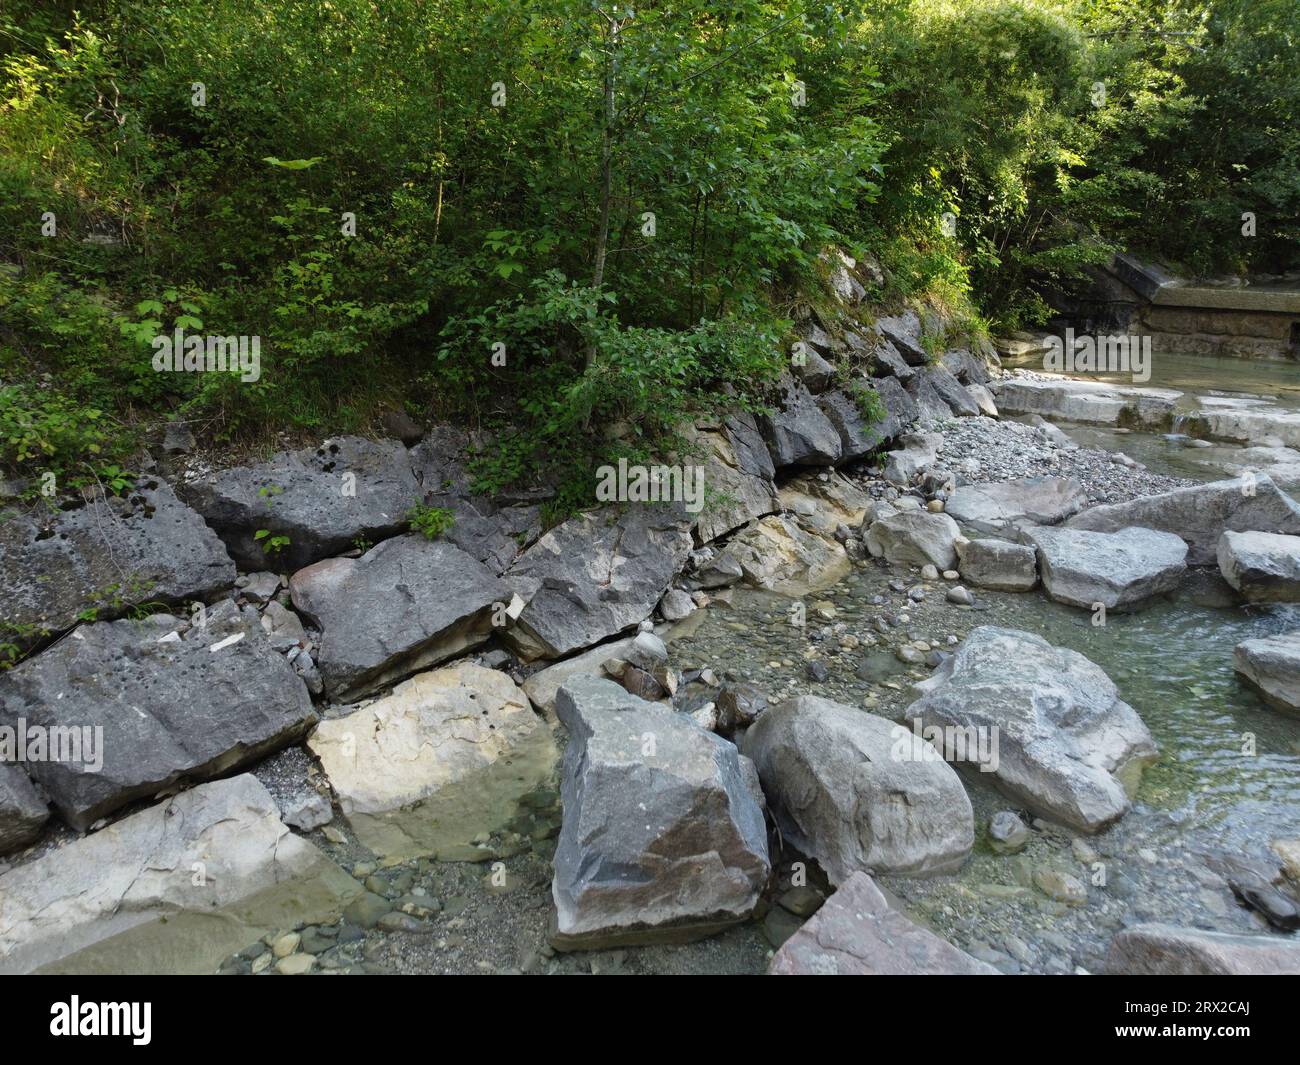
<point>651,741</point>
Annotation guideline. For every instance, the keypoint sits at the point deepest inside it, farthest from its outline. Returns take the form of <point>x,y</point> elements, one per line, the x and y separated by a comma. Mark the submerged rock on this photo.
<point>102,558</point>
<point>1121,570</point>
<point>323,499</point>
<point>859,793</point>
<point>141,707</point>
<point>175,888</point>
<point>857,933</point>
<point>1066,746</point>
<point>1202,513</point>
<point>1271,665</point>
<point>1263,567</point>
<point>403,606</point>
<point>1167,950</point>
<point>781,554</point>
<point>446,758</point>
<point>663,837</point>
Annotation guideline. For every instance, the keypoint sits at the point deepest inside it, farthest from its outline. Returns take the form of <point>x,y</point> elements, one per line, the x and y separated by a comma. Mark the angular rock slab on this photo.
<point>997,564</point>
<point>859,436</point>
<point>599,573</point>
<point>782,555</point>
<point>939,395</point>
<point>156,708</point>
<point>322,498</point>
<point>1122,570</point>
<point>1202,513</point>
<point>903,331</point>
<point>175,889</point>
<point>1067,746</point>
<point>857,933</point>
<point>992,508</point>
<point>403,606</point>
<point>1167,950</point>
<point>799,434</point>
<point>543,686</point>
<point>491,532</point>
<point>107,556</point>
<point>1263,567</point>
<point>738,478</point>
<point>22,811</point>
<point>915,537</point>
<point>901,410</point>
<point>1271,665</point>
<point>664,839</point>
<point>450,755</point>
<point>859,793</point>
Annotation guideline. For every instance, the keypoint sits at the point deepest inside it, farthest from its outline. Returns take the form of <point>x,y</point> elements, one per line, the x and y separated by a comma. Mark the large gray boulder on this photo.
<point>174,889</point>
<point>1271,665</point>
<point>1167,950</point>
<point>901,410</point>
<point>104,557</point>
<point>859,793</point>
<point>138,706</point>
<point>998,564</point>
<point>997,507</point>
<point>968,368</point>
<point>903,331</point>
<point>1121,570</point>
<point>492,531</point>
<point>858,437</point>
<point>888,361</point>
<point>448,757</point>
<point>22,811</point>
<point>663,837</point>
<point>914,537</point>
<point>1068,746</point>
<point>813,370</point>
<point>857,933</point>
<point>939,395</point>
<point>598,573</point>
<point>322,498</point>
<point>799,434</point>
<point>1202,513</point>
<point>1263,567</point>
<point>403,606</point>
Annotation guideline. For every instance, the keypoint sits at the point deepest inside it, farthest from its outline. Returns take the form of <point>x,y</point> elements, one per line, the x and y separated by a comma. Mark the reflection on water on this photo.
<point>1275,379</point>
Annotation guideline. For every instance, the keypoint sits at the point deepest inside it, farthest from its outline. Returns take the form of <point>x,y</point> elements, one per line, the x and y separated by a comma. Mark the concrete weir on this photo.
<point>1250,320</point>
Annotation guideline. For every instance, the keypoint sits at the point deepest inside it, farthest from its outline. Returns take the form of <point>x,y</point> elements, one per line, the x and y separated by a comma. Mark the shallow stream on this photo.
<point>1227,783</point>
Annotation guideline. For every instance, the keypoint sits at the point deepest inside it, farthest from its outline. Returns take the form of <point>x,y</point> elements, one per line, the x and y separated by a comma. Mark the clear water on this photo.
<point>1227,782</point>
<point>1275,379</point>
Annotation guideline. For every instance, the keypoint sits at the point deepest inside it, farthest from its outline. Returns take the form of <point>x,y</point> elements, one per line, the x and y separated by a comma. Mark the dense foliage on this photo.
<point>577,220</point>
